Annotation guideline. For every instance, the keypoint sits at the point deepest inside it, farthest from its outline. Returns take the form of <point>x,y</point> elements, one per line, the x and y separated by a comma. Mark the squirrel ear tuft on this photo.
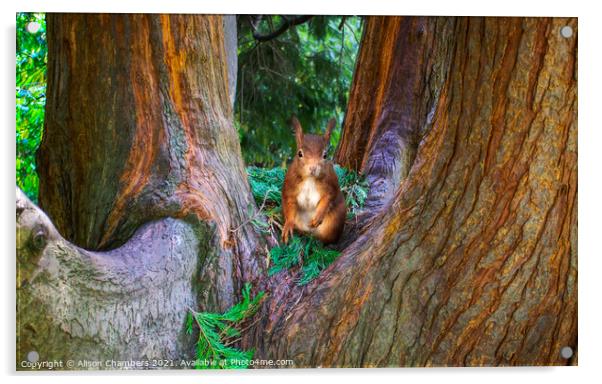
<point>298,131</point>
<point>331,123</point>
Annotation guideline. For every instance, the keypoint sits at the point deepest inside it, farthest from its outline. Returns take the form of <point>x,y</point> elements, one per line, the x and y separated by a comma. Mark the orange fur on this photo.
<point>312,201</point>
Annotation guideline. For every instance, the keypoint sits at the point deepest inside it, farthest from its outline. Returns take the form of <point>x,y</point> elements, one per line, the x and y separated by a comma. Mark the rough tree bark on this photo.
<point>231,45</point>
<point>399,74</point>
<point>138,130</point>
<point>474,259</point>
<point>127,303</point>
<point>139,127</point>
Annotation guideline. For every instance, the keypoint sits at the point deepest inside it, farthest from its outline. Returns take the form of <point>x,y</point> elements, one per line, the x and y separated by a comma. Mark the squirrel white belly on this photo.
<point>307,200</point>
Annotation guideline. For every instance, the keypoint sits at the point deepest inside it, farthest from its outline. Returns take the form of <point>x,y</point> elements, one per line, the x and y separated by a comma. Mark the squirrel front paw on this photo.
<point>316,221</point>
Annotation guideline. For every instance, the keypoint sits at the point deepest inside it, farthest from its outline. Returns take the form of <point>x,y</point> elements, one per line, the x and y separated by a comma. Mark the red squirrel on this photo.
<point>312,201</point>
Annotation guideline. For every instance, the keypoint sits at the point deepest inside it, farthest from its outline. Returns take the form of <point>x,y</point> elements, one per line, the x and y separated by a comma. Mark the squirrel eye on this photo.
<point>300,153</point>
<point>325,154</point>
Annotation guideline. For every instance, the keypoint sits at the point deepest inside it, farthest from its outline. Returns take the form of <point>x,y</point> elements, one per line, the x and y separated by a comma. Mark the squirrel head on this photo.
<point>312,150</point>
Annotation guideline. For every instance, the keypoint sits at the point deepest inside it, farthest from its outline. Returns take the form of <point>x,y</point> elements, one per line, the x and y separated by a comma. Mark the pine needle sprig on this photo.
<point>218,331</point>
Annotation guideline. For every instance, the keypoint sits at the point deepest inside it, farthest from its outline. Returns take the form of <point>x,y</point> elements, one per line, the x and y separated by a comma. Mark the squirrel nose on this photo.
<point>313,169</point>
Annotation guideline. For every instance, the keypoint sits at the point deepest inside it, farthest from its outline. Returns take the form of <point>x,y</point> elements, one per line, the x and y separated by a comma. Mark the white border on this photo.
<point>590,164</point>
<point>338,7</point>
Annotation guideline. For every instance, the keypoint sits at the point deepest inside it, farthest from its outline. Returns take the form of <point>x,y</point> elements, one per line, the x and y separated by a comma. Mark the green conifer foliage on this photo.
<point>219,331</point>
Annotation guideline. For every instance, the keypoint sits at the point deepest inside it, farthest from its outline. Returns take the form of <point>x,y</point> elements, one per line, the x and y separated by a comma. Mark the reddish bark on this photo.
<point>399,75</point>
<point>139,127</point>
<point>474,260</point>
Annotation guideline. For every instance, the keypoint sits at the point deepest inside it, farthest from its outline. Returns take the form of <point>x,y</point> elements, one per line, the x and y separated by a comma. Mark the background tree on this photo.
<point>291,64</point>
<point>473,261</point>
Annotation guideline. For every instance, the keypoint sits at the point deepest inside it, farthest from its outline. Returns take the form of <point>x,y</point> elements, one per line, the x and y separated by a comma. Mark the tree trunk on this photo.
<point>138,129</point>
<point>474,259</point>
